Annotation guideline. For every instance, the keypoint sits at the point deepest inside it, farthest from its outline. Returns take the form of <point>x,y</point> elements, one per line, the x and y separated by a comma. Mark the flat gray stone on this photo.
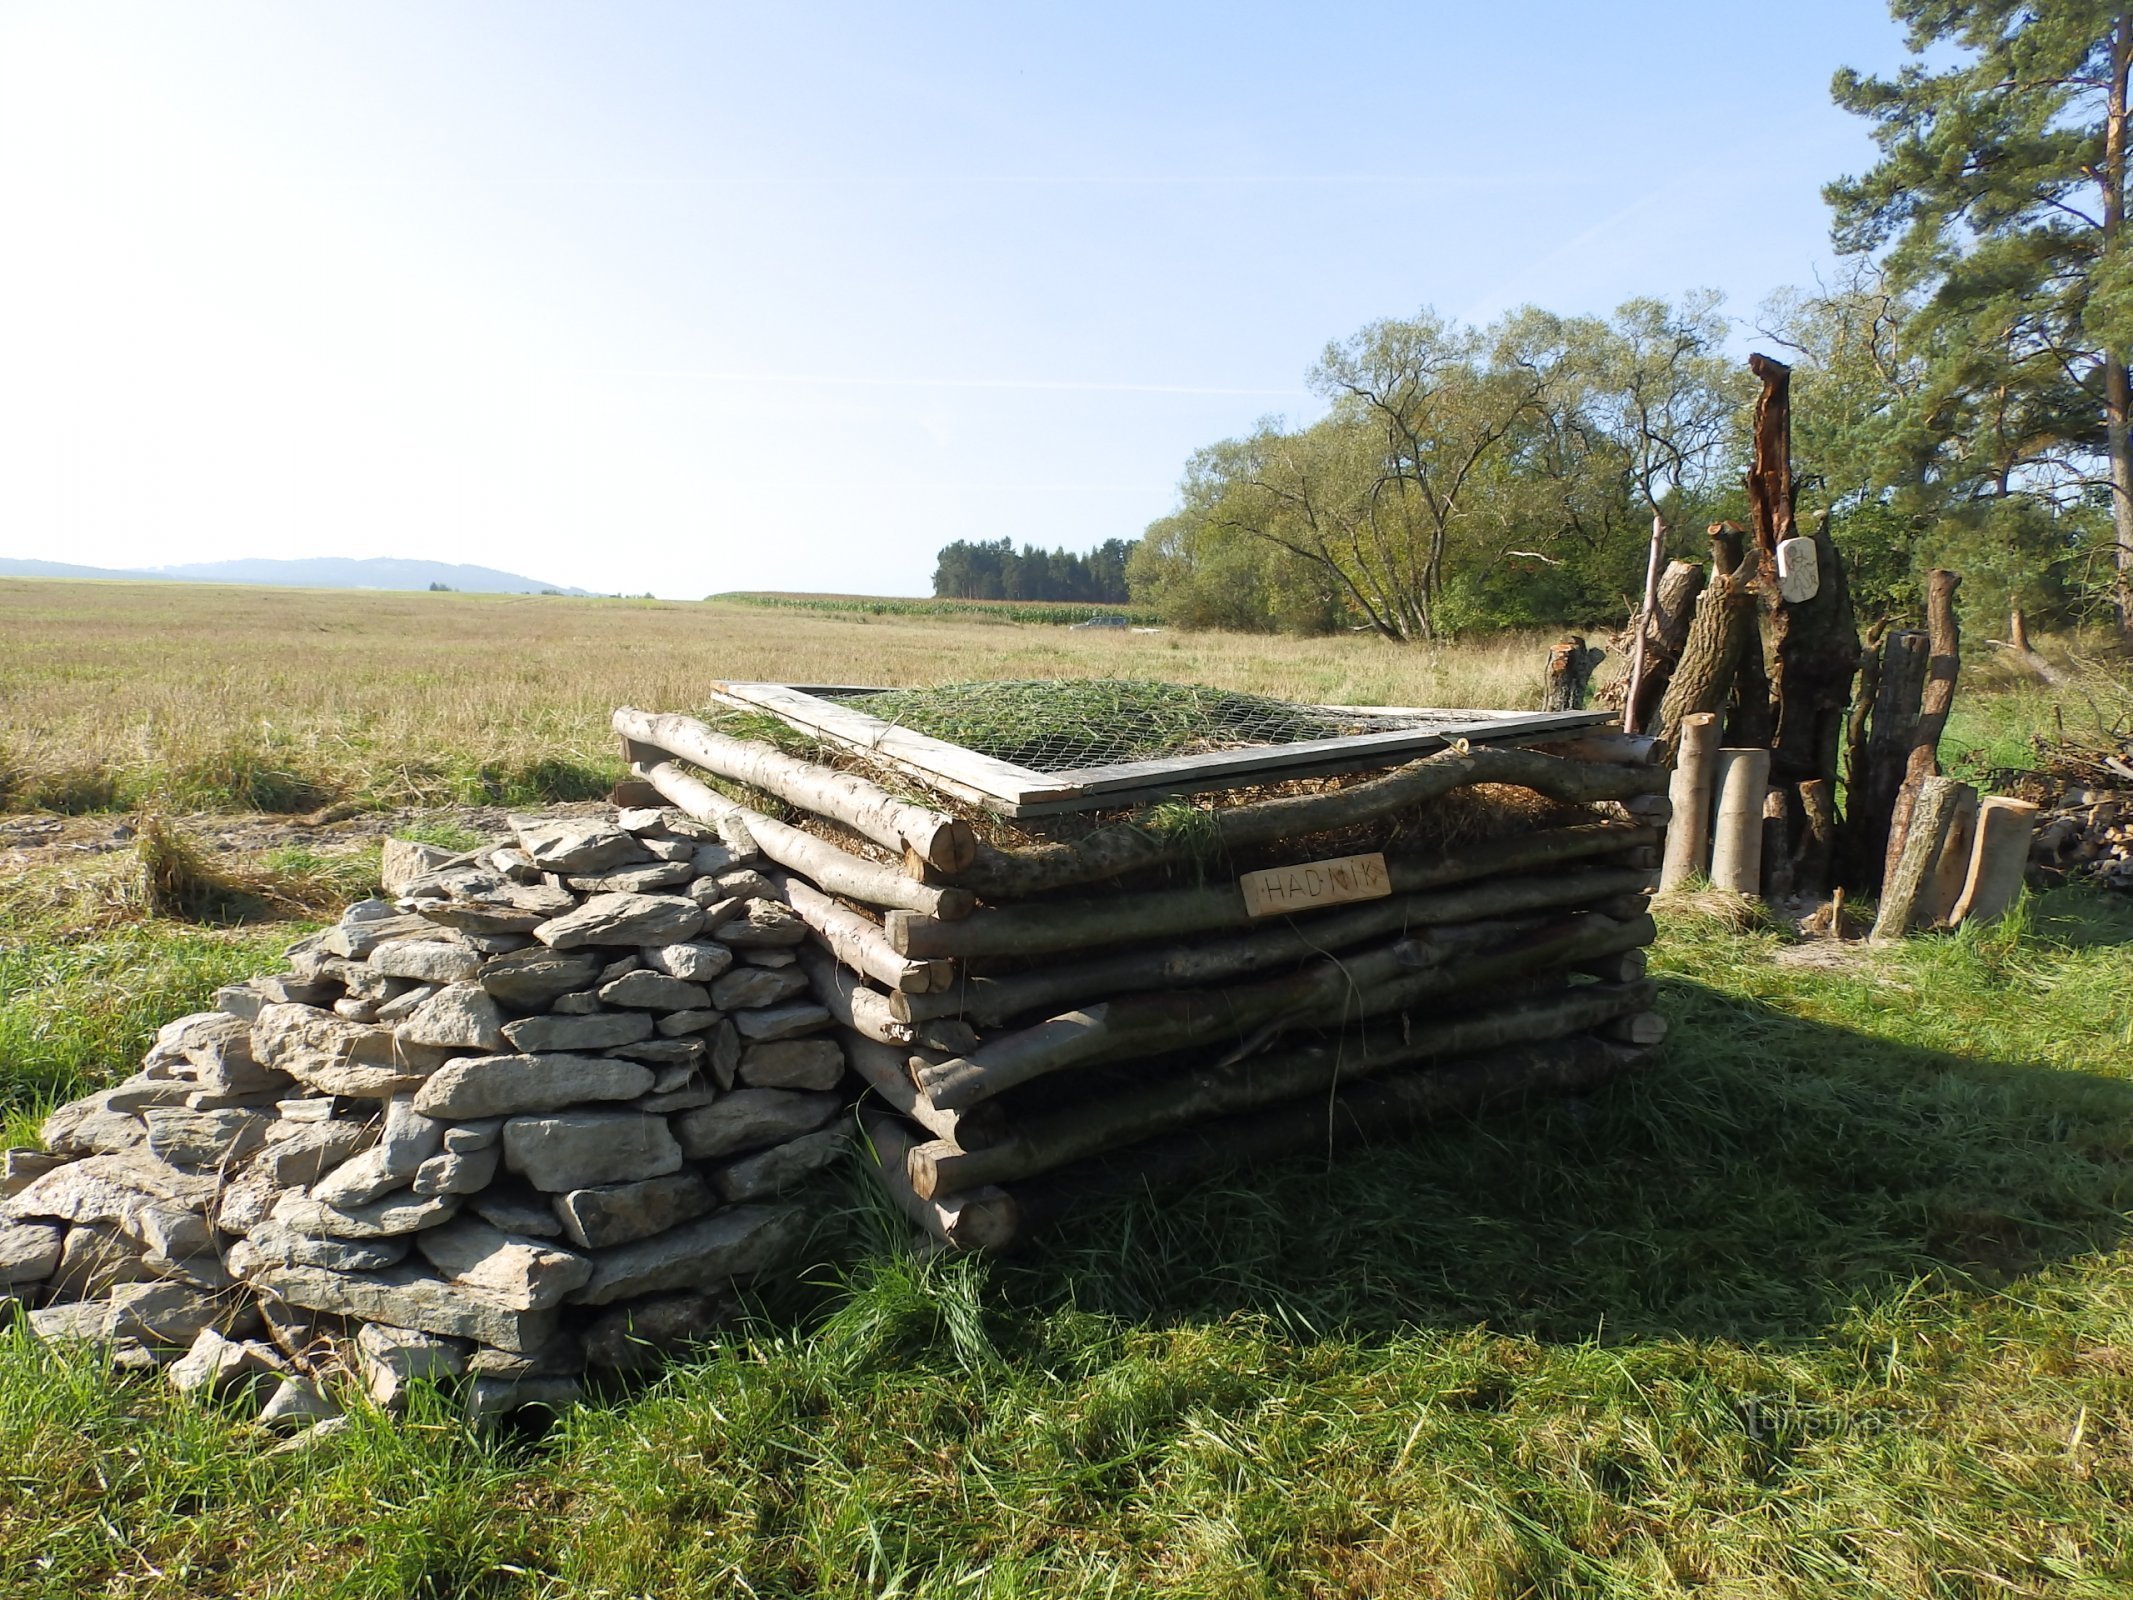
<point>762,922</point>
<point>297,1403</point>
<point>710,1253</point>
<point>575,844</point>
<point>460,1016</point>
<point>663,1053</point>
<point>534,1035</point>
<point>620,1213</point>
<point>334,1056</point>
<point>581,1149</point>
<point>402,861</point>
<point>624,919</point>
<point>164,1313</point>
<point>747,1119</point>
<point>781,1022</point>
<point>581,1004</point>
<point>524,1273</point>
<point>751,987</point>
<point>358,1181</point>
<point>407,1138</point>
<point>458,1174</point>
<point>204,1138</point>
<point>366,925</point>
<point>276,1244</point>
<point>29,1252</point>
<point>725,1043</point>
<point>655,991</point>
<point>108,1188</point>
<point>398,1009</point>
<point>394,1358</point>
<point>408,1296</point>
<point>515,1208</point>
<point>19,1168</point>
<point>620,967</point>
<point>634,880</point>
<point>215,1365</point>
<point>793,1064</point>
<point>381,1219</point>
<point>769,956</point>
<point>298,1154</point>
<point>679,1024</point>
<point>562,1356</point>
<point>683,850</point>
<point>535,976</point>
<point>217,1049</point>
<point>426,960</point>
<point>484,1133</point>
<point>781,1167</point>
<point>642,1335</point>
<point>503,1086</point>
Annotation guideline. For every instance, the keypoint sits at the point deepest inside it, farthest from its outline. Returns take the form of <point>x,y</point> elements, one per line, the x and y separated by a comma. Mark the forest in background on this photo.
<point>1960,398</point>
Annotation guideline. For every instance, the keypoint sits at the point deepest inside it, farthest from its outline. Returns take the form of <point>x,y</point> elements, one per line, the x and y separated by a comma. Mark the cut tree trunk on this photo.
<point>1953,868</point>
<point>1879,761</point>
<point>1688,836</point>
<point>1814,843</point>
<point>1665,632</point>
<point>1569,675</point>
<point>1943,661</point>
<point>887,1071</point>
<point>1719,635</point>
<point>1906,899</point>
<point>1997,859</point>
<point>1737,829</point>
<point>977,1219</point>
<point>1777,846</point>
<point>860,944</point>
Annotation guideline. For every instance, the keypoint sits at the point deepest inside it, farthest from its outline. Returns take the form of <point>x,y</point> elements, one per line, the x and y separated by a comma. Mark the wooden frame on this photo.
<point>1017,791</point>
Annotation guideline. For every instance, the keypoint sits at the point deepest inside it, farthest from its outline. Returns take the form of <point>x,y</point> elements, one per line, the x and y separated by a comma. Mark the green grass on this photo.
<point>1053,612</point>
<point>1832,1299</point>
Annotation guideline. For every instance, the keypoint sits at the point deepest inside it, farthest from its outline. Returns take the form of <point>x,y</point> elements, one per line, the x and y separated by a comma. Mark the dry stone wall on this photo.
<point>539,1113</point>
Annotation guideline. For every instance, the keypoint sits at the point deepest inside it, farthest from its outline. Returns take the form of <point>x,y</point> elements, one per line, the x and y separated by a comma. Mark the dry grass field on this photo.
<point>196,696</point>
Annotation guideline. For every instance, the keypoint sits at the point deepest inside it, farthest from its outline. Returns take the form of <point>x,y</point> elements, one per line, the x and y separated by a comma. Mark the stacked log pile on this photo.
<point>538,1114</point>
<point>1043,1020</point>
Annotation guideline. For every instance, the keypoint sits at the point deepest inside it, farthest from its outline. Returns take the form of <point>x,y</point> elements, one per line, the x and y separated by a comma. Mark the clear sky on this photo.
<point>689,297</point>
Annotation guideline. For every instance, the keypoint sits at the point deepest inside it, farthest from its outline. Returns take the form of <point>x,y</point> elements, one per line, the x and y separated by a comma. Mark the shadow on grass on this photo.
<point>1755,1180</point>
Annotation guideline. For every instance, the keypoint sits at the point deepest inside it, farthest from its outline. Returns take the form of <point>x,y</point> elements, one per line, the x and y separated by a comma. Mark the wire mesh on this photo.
<point>1058,725</point>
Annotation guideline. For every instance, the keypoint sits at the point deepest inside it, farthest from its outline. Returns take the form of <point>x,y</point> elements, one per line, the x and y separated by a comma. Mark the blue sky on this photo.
<point>691,297</point>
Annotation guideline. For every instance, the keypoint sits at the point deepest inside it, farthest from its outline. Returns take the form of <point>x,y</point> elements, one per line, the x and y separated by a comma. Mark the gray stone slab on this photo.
<point>204,1138</point>
<point>460,1016</point>
<point>620,1213</point>
<point>535,976</point>
<point>752,987</point>
<point>408,1296</point>
<point>782,1166</point>
<point>453,1173</point>
<point>535,1035</point>
<point>748,1119</point>
<point>630,919</point>
<point>781,1022</point>
<point>793,1064</point>
<point>521,1272</point>
<point>493,1086</point>
<point>427,960</point>
<point>333,1056</point>
<point>709,1253</point>
<point>575,844</point>
<point>655,991</point>
<point>581,1149</point>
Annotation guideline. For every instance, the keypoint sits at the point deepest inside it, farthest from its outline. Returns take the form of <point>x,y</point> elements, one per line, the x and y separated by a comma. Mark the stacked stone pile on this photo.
<point>539,1113</point>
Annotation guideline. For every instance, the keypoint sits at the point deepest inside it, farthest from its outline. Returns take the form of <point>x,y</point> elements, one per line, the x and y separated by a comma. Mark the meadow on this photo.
<point>1834,1298</point>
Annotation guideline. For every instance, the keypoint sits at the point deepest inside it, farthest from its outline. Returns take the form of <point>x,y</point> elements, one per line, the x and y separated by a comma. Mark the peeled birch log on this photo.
<point>1943,662</point>
<point>1997,859</point>
<point>822,863</point>
<point>866,808</point>
<point>1327,993</point>
<point>1688,839</point>
<point>859,943</point>
<point>1737,833</point>
<point>845,995</point>
<point>993,1001</point>
<point>977,1219</point>
<point>1953,867</point>
<point>1645,1028</point>
<point>1906,895</point>
<point>1074,1133</point>
<point>1620,749</point>
<point>1323,1124</point>
<point>1108,852</point>
<point>1054,926</point>
<point>887,1071</point>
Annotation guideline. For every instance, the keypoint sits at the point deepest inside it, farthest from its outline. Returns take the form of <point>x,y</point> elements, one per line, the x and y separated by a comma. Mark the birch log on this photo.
<point>1953,867</point>
<point>991,1002</point>
<point>1120,848</point>
<point>865,807</point>
<point>859,943</point>
<point>822,863</point>
<point>1906,895</point>
<point>887,1071</point>
<point>845,995</point>
<point>977,1219</point>
<point>1688,839</point>
<point>1737,831</point>
<point>1997,859</point>
<point>1075,1132</point>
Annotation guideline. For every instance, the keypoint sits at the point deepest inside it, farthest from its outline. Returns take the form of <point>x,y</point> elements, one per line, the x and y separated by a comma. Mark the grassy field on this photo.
<point>1056,612</point>
<point>1835,1298</point>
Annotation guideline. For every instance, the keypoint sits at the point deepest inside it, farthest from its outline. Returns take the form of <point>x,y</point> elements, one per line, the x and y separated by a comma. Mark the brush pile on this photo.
<point>1043,1020</point>
<point>2085,819</point>
<point>538,1114</point>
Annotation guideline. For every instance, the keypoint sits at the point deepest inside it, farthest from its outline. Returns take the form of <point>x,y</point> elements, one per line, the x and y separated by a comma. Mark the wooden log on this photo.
<point>1326,993</point>
<point>1937,910</point>
<point>849,1001</point>
<point>1075,1132</point>
<point>1777,846</point>
<point>1710,659</point>
<point>1603,745</point>
<point>1943,661</point>
<point>817,860</point>
<point>1625,967</point>
<point>1664,634</point>
<point>1121,848</point>
<point>887,1071</point>
<point>990,1002</point>
<point>856,941</point>
<point>1688,837</point>
<point>1645,1028</point>
<point>1108,920</point>
<point>977,1219</point>
<point>1906,896</point>
<point>1379,1108</point>
<point>1879,759</point>
<point>1568,679</point>
<point>866,808</point>
<point>1737,831</point>
<point>1997,859</point>
<point>1814,839</point>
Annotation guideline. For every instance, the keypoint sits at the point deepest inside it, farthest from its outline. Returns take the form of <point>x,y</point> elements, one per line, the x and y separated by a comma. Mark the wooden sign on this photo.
<point>1280,890</point>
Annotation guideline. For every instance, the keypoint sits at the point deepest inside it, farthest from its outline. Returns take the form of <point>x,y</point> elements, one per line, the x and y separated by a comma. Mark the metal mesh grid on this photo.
<point>1058,725</point>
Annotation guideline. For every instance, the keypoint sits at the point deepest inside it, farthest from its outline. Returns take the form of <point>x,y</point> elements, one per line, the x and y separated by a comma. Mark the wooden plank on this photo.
<point>1310,885</point>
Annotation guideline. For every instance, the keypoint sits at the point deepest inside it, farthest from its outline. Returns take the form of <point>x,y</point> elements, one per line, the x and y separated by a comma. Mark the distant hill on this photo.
<point>312,572</point>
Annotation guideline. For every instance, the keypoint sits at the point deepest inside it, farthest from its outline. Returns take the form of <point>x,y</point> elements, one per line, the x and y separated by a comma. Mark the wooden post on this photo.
<point>1879,756</point>
<point>1688,836</point>
<point>1570,665</point>
<point>1737,834</point>
<point>1997,860</point>
<point>1777,845</point>
<point>1640,650</point>
<point>1907,896</point>
<point>1953,867</point>
<point>1943,660</point>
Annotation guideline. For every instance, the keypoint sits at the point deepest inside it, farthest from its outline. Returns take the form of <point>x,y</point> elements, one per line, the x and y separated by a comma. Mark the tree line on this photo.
<point>1961,396</point>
